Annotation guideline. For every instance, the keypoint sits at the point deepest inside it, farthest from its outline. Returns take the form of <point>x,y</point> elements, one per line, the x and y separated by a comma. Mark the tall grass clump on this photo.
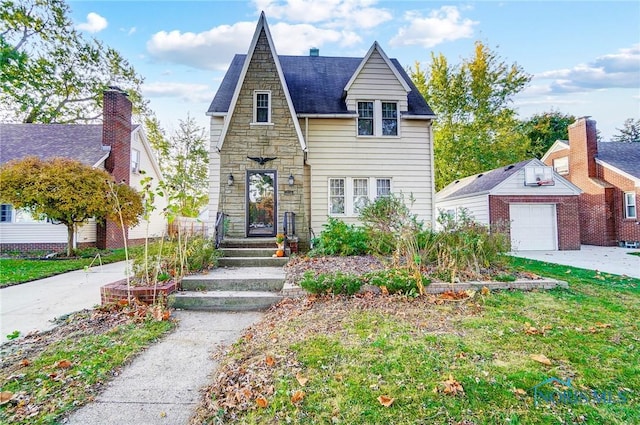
<point>463,246</point>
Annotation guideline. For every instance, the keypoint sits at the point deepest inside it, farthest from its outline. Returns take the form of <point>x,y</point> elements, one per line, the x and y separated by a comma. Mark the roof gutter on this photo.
<point>619,171</point>
<point>418,117</point>
<point>327,115</point>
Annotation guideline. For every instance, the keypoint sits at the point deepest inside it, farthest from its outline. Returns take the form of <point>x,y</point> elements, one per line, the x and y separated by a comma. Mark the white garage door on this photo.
<point>533,227</point>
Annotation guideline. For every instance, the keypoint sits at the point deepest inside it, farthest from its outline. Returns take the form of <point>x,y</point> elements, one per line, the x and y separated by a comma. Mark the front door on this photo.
<point>261,203</point>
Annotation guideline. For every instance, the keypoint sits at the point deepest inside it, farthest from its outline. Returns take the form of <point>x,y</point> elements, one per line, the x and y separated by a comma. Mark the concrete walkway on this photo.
<point>606,259</point>
<point>33,305</point>
<point>161,386</point>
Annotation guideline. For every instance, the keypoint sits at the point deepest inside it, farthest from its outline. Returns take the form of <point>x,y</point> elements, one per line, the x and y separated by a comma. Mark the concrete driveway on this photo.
<point>34,305</point>
<point>606,259</point>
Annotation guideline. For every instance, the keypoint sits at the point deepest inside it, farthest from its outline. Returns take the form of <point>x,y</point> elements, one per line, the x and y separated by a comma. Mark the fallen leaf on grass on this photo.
<point>519,391</point>
<point>64,364</point>
<point>485,291</point>
<point>301,379</point>
<point>297,396</point>
<point>541,358</point>
<point>25,362</point>
<point>386,401</point>
<point>530,330</point>
<point>384,290</point>
<point>262,402</point>
<point>452,387</point>
<point>5,397</point>
<point>270,361</point>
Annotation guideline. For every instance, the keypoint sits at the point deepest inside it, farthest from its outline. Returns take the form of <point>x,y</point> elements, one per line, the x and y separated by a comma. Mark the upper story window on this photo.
<point>389,119</point>
<point>378,118</point>
<point>365,118</point>
<point>135,160</point>
<point>262,107</point>
<point>561,165</point>
<point>630,205</point>
<point>6,213</point>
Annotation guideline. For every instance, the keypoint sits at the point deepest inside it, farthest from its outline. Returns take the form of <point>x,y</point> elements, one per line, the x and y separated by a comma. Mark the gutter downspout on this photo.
<point>433,177</point>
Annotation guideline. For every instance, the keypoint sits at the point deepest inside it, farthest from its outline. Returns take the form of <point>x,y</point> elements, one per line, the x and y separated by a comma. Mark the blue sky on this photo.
<point>584,56</point>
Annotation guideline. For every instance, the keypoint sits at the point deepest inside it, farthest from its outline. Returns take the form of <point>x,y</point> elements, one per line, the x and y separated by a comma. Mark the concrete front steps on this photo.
<point>247,278</point>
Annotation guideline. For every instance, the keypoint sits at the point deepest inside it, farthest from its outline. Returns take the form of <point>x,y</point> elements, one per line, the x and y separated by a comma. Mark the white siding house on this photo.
<point>340,131</point>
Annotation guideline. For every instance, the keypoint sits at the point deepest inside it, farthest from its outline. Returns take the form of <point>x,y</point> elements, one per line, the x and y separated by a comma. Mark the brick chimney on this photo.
<point>584,147</point>
<point>116,133</point>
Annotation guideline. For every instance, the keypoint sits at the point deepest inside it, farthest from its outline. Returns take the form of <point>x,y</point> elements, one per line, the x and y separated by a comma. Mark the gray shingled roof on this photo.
<point>479,183</point>
<point>624,156</point>
<point>316,84</point>
<point>82,142</point>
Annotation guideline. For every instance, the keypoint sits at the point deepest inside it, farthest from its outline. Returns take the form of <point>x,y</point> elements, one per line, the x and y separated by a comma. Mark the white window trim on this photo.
<point>255,107</point>
<point>562,169</point>
<point>628,204</point>
<point>135,165</point>
<point>349,207</point>
<point>377,118</point>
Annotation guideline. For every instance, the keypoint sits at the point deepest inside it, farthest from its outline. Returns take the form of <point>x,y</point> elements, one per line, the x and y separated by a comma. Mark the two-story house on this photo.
<point>609,175</point>
<point>317,137</point>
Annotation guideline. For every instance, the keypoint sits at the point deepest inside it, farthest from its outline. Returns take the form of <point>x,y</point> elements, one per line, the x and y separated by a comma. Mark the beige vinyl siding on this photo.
<point>477,206</point>
<point>334,152</point>
<point>514,185</point>
<point>376,81</point>
<point>214,172</point>
<point>44,233</point>
<point>157,225</point>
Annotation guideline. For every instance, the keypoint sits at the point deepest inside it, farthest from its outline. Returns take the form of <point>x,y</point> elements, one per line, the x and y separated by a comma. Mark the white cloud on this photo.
<point>328,13</point>
<point>616,70</point>
<point>185,91</point>
<point>95,23</point>
<point>444,24</point>
<point>214,49</point>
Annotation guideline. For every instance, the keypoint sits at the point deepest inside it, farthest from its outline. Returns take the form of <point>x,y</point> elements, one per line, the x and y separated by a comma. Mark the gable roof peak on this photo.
<point>261,26</point>
<point>375,47</point>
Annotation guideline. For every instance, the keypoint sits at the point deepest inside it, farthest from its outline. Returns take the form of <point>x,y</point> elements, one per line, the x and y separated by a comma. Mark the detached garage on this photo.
<point>540,206</point>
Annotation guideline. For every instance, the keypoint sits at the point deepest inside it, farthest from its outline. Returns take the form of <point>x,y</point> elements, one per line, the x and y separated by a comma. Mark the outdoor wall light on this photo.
<point>230,180</point>
<point>291,180</point>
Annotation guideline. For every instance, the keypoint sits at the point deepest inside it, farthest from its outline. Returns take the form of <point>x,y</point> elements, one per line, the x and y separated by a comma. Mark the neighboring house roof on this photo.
<point>316,85</point>
<point>82,142</point>
<point>623,156</point>
<point>480,183</point>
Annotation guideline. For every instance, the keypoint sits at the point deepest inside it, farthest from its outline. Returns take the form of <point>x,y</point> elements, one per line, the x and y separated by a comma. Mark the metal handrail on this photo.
<point>219,229</point>
<point>289,224</point>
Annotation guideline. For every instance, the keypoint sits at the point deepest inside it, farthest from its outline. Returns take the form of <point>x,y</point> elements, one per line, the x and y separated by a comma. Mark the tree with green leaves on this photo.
<point>476,129</point>
<point>184,161</point>
<point>630,132</point>
<point>68,192</point>
<point>544,129</point>
<point>50,73</point>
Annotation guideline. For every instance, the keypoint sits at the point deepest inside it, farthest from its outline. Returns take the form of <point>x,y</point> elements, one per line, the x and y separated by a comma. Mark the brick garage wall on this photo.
<point>624,229</point>
<point>567,209</point>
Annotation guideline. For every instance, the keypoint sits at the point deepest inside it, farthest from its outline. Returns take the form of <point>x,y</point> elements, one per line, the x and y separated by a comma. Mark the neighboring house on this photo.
<point>315,136</point>
<point>609,175</point>
<point>115,145</point>
<point>529,200</point>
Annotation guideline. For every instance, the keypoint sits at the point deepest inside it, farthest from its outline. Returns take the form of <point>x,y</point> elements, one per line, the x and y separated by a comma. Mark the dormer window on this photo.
<point>377,118</point>
<point>365,118</point>
<point>262,107</point>
<point>389,119</point>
